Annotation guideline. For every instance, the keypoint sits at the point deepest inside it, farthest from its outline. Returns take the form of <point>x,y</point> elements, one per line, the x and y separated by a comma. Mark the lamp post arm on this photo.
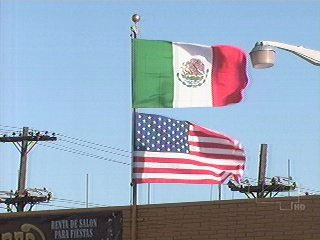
<point>309,55</point>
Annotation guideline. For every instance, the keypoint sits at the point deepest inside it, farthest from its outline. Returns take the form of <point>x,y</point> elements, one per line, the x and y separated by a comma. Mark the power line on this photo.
<point>6,132</point>
<point>73,138</point>
<point>79,152</point>
<point>94,148</point>
<point>74,149</point>
<point>52,205</point>
<point>97,144</point>
<point>78,202</point>
<point>313,191</point>
<point>93,143</point>
<point>10,127</point>
<point>82,152</point>
<point>86,141</point>
<point>86,154</point>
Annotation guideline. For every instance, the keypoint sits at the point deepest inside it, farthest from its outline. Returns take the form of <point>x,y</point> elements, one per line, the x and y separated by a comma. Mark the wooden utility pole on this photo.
<point>23,160</point>
<point>25,142</point>
<point>262,170</point>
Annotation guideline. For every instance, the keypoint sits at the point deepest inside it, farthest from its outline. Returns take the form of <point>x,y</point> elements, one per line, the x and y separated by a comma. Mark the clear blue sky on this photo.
<point>65,68</point>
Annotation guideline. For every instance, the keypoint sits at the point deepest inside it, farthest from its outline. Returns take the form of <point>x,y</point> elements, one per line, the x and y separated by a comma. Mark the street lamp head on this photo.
<point>262,56</point>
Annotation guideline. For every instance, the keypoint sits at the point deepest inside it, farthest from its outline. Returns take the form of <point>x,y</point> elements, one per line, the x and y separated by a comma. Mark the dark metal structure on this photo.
<point>25,142</point>
<point>20,199</point>
<point>264,189</point>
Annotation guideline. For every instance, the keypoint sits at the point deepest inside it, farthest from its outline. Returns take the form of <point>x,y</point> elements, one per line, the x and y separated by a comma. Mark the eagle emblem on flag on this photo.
<point>193,73</point>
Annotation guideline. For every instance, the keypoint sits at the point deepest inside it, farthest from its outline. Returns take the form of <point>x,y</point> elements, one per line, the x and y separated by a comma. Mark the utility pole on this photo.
<point>263,189</point>
<point>25,142</point>
<point>23,160</point>
<point>262,170</point>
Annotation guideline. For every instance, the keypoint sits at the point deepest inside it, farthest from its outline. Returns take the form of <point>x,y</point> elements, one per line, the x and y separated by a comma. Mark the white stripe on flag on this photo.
<point>209,140</point>
<point>216,151</point>
<point>184,166</point>
<point>179,176</point>
<point>225,162</point>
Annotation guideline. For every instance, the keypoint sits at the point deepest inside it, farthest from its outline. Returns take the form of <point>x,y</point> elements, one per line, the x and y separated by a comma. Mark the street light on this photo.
<point>263,55</point>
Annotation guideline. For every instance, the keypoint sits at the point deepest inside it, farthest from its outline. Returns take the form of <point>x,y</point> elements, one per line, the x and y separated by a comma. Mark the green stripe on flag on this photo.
<point>152,74</point>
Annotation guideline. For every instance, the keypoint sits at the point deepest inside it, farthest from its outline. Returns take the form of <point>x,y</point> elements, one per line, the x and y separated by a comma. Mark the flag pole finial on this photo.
<point>134,29</point>
<point>135,18</point>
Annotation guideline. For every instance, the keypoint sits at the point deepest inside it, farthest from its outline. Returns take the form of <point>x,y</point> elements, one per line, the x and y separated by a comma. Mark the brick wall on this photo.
<point>268,219</point>
<point>277,218</point>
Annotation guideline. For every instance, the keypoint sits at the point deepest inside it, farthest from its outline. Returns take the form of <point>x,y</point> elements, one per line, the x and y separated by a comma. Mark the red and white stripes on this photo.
<point>212,158</point>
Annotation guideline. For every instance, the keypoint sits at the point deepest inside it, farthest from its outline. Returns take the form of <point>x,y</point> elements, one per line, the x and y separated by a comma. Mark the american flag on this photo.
<point>173,151</point>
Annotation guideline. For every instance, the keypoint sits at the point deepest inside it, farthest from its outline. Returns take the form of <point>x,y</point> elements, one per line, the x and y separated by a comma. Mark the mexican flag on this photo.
<point>174,75</point>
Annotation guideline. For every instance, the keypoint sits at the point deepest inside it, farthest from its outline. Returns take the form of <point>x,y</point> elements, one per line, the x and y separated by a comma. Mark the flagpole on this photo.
<point>148,193</point>
<point>134,32</point>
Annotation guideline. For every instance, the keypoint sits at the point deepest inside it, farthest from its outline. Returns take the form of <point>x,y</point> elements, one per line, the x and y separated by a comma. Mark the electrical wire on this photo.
<point>97,144</point>
<point>68,137</point>
<point>77,150</point>
<point>9,127</point>
<point>78,202</point>
<point>52,205</point>
<point>84,141</point>
<point>313,191</point>
<point>6,131</point>
<point>85,154</point>
<point>94,148</point>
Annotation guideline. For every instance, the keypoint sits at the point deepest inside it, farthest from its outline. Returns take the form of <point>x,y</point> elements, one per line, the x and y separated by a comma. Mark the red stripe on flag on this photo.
<point>178,171</point>
<point>211,154</point>
<point>161,180</point>
<point>229,75</point>
<point>201,131</point>
<point>187,181</point>
<point>214,145</point>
